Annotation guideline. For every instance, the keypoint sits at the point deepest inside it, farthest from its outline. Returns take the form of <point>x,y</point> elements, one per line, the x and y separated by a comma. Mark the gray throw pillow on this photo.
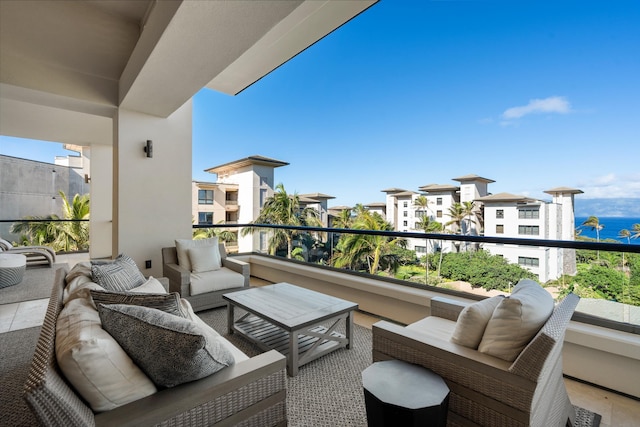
<point>120,275</point>
<point>169,303</point>
<point>169,349</point>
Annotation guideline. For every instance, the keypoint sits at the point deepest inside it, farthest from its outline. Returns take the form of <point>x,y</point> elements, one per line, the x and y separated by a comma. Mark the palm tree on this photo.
<point>361,248</point>
<point>428,226</point>
<point>67,236</point>
<point>624,234</point>
<point>284,209</point>
<point>468,209</point>
<point>636,231</point>
<point>593,223</point>
<point>421,203</point>
<point>457,214</point>
<point>223,234</point>
<point>343,220</point>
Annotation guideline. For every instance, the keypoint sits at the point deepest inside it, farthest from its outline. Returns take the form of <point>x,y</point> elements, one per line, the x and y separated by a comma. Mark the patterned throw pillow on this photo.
<point>169,303</point>
<point>120,275</point>
<point>169,349</point>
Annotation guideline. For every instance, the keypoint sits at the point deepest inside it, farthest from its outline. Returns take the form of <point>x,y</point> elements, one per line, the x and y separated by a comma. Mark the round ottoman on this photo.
<point>12,268</point>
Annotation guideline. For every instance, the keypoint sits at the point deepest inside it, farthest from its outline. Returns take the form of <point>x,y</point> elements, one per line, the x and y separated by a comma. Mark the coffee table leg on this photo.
<point>230,318</point>
<point>292,357</point>
<point>349,328</point>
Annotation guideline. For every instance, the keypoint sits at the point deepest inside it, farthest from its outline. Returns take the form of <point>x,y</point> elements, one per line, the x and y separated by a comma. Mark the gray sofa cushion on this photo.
<point>169,303</point>
<point>169,349</point>
<point>120,275</point>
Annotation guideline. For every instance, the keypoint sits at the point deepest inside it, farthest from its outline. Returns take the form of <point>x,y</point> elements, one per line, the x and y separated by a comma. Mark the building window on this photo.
<point>421,249</point>
<point>205,197</point>
<point>263,196</point>
<point>499,229</point>
<point>439,201</point>
<point>264,181</point>
<point>529,230</point>
<point>421,214</point>
<point>405,223</point>
<point>529,213</point>
<point>405,214</point>
<point>528,262</point>
<point>405,204</point>
<point>500,213</point>
<point>205,218</point>
<point>263,241</point>
<point>438,214</point>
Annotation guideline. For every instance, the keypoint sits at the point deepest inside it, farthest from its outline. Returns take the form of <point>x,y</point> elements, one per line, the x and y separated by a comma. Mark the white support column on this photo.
<point>101,173</point>
<point>151,196</point>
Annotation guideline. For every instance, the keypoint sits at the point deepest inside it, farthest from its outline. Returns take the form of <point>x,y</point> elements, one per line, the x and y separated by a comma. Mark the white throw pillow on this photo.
<point>93,362</point>
<point>473,320</point>
<point>151,286</point>
<point>183,246</point>
<point>205,258</point>
<point>516,320</point>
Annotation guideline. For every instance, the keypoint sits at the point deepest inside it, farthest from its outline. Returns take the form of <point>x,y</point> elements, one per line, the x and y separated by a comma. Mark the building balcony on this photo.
<point>386,300</point>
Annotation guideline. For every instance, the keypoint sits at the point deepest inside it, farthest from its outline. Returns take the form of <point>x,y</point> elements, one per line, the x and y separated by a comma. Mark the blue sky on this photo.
<point>533,95</point>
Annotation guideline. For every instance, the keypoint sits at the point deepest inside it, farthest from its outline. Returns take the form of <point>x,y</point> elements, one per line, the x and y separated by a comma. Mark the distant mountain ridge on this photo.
<point>621,207</point>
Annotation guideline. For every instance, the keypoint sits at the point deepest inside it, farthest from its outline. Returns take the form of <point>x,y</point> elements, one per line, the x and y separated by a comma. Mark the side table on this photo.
<point>398,393</point>
<point>12,268</point>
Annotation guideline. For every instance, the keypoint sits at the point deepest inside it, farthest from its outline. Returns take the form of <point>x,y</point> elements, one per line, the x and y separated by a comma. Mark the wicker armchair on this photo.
<point>180,279</point>
<point>486,390</point>
<point>248,393</point>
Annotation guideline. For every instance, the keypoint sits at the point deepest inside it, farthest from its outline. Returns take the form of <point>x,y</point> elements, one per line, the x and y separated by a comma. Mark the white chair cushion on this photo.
<point>516,320</point>
<point>216,280</point>
<point>434,326</point>
<point>473,320</point>
<point>94,362</point>
<point>205,258</point>
<point>183,246</point>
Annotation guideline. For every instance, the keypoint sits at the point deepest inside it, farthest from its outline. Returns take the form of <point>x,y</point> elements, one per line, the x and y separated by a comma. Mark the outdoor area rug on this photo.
<point>36,284</point>
<point>326,392</point>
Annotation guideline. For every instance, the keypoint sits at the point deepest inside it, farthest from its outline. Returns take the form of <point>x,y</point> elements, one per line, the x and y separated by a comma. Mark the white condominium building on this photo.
<point>500,215</point>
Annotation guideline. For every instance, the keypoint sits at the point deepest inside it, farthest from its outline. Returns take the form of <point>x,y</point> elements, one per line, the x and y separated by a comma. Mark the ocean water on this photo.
<point>612,227</point>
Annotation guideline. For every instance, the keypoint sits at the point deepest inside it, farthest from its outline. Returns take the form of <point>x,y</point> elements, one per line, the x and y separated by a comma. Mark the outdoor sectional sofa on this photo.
<point>251,392</point>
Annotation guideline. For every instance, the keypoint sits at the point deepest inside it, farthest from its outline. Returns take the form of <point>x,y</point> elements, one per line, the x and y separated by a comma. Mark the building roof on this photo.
<point>438,187</point>
<point>473,177</point>
<point>505,197</point>
<point>393,190</point>
<point>205,183</point>
<point>376,205</point>
<point>316,196</point>
<point>339,208</point>
<point>405,194</point>
<point>247,161</point>
<point>564,190</point>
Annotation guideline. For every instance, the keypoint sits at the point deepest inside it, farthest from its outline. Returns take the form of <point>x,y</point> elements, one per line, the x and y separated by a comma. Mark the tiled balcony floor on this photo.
<point>616,410</point>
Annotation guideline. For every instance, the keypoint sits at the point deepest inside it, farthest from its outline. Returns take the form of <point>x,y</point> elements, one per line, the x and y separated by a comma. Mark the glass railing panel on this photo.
<point>62,235</point>
<point>607,280</point>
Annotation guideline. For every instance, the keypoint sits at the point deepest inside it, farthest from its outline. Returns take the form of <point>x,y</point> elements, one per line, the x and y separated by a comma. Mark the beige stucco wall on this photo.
<point>152,196</point>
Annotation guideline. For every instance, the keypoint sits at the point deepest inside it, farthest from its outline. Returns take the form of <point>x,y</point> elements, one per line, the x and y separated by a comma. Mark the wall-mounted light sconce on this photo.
<point>149,148</point>
<point>87,178</point>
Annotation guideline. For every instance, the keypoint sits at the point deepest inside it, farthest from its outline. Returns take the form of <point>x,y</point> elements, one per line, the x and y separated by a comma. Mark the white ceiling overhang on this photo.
<point>92,57</point>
